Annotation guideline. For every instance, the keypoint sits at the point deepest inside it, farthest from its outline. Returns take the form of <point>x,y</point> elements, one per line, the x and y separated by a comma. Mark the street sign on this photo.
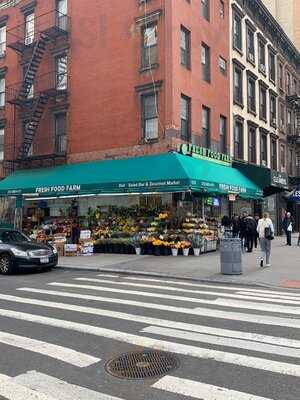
<point>295,197</point>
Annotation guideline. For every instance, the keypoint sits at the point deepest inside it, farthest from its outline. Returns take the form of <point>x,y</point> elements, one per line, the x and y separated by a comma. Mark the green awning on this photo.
<point>168,172</point>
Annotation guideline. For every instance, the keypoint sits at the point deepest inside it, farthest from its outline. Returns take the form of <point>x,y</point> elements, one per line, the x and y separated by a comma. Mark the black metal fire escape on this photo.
<point>33,105</point>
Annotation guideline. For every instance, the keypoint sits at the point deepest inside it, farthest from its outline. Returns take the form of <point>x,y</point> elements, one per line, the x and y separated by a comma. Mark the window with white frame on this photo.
<point>2,92</point>
<point>2,40</point>
<point>29,28</point>
<point>61,72</point>
<point>1,144</point>
<point>150,116</point>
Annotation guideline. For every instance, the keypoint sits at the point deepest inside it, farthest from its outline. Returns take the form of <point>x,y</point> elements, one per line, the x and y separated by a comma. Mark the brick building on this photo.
<point>86,83</point>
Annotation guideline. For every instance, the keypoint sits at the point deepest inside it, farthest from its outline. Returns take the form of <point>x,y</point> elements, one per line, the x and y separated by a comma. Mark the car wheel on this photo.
<point>6,267</point>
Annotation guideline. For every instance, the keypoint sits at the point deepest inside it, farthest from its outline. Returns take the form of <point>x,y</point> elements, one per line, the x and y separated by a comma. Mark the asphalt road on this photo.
<point>59,329</point>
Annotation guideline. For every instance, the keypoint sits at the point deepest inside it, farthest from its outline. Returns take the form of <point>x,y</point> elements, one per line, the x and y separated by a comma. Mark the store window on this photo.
<point>223,134</point>
<point>185,117</point>
<point>237,31</point>
<point>261,56</point>
<point>264,150</point>
<point>272,66</point>
<point>273,110</point>
<point>205,12</point>
<point>252,144</point>
<point>185,47</point>
<point>205,61</point>
<point>2,40</point>
<point>238,85</point>
<point>251,95</point>
<point>2,132</point>
<point>61,133</point>
<point>250,45</point>
<point>282,157</point>
<point>263,103</point>
<point>206,126</point>
<point>274,154</point>
<point>149,46</point>
<point>61,72</point>
<point>2,91</point>
<point>239,140</point>
<point>29,28</point>
<point>150,117</point>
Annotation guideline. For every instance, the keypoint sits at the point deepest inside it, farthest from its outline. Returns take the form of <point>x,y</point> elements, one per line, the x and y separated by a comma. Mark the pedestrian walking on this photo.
<point>226,226</point>
<point>235,226</point>
<point>287,225</point>
<point>265,230</point>
<point>251,231</point>
<point>256,237</point>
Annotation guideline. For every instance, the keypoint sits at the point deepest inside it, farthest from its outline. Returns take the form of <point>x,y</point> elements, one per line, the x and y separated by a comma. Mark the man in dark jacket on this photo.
<point>287,225</point>
<point>250,227</point>
<point>242,228</point>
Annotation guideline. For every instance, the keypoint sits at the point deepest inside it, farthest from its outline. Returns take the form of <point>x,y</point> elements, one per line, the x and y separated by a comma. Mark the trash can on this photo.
<point>231,256</point>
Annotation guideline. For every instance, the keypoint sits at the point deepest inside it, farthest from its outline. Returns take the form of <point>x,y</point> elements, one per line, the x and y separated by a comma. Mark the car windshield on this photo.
<point>13,236</point>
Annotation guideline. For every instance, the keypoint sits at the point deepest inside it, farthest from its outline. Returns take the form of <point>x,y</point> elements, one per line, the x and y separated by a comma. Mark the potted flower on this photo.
<point>136,243</point>
<point>197,242</point>
<point>175,246</point>
<point>185,245</point>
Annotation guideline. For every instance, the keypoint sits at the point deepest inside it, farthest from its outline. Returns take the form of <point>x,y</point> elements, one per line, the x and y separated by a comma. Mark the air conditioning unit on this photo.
<point>28,40</point>
<point>264,163</point>
<point>274,121</point>
<point>251,57</point>
<point>262,68</point>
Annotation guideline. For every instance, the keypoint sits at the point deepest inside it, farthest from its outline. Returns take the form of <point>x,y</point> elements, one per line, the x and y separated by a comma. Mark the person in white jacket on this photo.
<point>265,230</point>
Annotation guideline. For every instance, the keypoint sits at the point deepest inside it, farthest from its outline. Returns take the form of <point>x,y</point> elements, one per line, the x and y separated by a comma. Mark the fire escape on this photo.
<point>32,96</point>
<point>294,138</point>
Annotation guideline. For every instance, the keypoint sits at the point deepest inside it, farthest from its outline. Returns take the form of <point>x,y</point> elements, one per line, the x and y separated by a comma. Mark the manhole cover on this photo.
<point>142,364</point>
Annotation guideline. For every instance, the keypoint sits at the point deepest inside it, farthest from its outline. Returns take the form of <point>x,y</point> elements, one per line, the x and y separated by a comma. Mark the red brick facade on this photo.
<point>105,82</point>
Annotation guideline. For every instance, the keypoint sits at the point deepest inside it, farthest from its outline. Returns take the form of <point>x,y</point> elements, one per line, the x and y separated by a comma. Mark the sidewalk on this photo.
<point>285,270</point>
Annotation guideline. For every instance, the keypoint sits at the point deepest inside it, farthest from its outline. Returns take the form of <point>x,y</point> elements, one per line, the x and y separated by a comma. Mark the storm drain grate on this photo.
<point>142,365</point>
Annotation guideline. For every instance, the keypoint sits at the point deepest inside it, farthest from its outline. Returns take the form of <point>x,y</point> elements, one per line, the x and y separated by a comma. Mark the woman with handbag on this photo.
<point>265,230</point>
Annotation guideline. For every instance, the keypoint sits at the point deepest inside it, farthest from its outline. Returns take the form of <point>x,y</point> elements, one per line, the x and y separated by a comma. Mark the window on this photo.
<point>291,162</point>
<point>150,117</point>
<point>238,85</point>
<point>222,9</point>
<point>29,28</point>
<point>205,61</point>
<point>61,72</point>
<point>288,84</point>
<point>250,45</point>
<point>2,40</point>
<point>223,65</point>
<point>264,149</point>
<point>281,116</point>
<point>29,147</point>
<point>185,46</point>
<point>185,116</point>
<point>263,103</point>
<point>62,14</point>
<point>223,134</point>
<point>251,95</point>
<point>261,56</point>
<point>205,9</point>
<point>272,66</point>
<point>149,46</point>
<point>282,157</point>
<point>237,32</point>
<point>274,154</point>
<point>239,140</point>
<point>1,144</point>
<point>30,92</point>
<point>60,133</point>
<point>2,92</point>
<point>206,126</point>
<point>280,79</point>
<point>289,122</point>
<point>252,144</point>
<point>273,110</point>
<point>295,91</point>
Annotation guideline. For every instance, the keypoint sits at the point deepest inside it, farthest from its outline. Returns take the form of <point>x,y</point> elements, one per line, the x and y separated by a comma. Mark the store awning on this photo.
<point>168,172</point>
<point>269,181</point>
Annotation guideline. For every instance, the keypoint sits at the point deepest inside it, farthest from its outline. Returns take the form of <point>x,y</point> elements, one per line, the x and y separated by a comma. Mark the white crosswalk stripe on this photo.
<point>242,343</point>
<point>202,391</point>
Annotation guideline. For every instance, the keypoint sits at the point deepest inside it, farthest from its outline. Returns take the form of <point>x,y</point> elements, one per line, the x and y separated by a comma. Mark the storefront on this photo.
<point>173,199</point>
<point>274,184</point>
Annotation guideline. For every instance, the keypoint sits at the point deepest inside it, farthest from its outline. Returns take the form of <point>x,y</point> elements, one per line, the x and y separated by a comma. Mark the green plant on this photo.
<point>196,240</point>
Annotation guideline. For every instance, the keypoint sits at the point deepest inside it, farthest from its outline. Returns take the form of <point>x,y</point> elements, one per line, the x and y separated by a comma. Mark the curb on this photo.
<point>170,276</point>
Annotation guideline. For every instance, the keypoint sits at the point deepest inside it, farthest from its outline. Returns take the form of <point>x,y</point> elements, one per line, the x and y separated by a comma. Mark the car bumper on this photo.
<point>20,262</point>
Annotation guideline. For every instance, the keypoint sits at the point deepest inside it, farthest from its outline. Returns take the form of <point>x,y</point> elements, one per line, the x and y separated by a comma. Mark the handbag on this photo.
<point>290,227</point>
<point>269,234</point>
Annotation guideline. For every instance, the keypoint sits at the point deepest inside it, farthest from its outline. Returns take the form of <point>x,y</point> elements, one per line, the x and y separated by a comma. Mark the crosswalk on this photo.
<point>241,343</point>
